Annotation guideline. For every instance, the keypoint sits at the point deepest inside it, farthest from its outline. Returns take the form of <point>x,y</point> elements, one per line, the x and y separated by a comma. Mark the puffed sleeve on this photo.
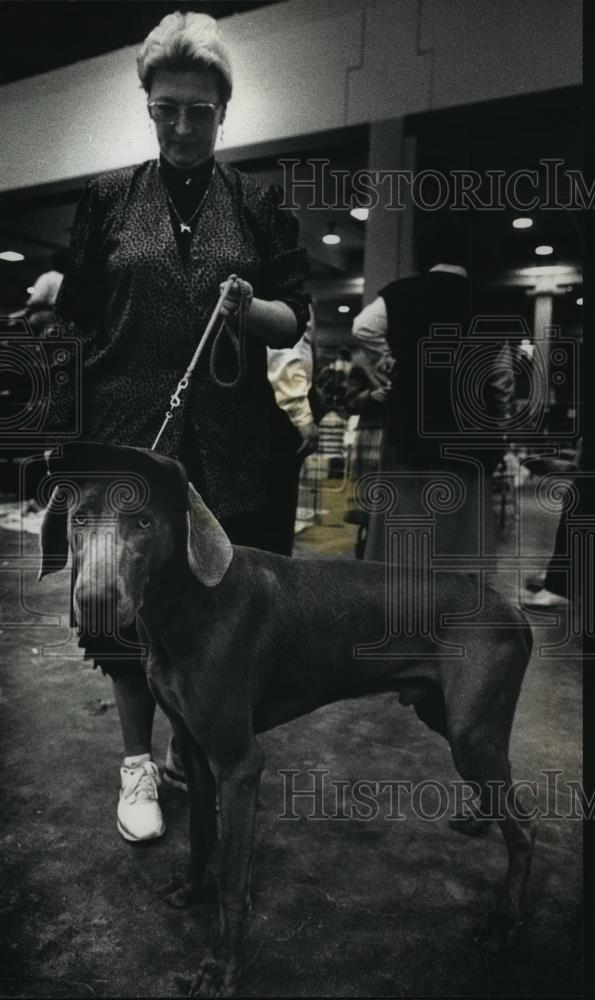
<point>285,266</point>
<point>78,310</point>
<point>76,319</point>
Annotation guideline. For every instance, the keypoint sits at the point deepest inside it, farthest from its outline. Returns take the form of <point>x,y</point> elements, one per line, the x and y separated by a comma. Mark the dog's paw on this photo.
<point>182,893</point>
<point>215,979</point>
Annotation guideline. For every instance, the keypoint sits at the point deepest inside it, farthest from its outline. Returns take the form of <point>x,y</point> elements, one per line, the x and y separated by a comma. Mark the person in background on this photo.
<point>389,330</point>
<point>562,582</point>
<point>152,245</point>
<point>290,374</point>
<point>366,392</point>
<point>368,384</point>
<point>39,306</point>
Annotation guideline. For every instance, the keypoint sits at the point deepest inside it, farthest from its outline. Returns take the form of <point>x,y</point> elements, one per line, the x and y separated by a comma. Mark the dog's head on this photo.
<point>124,513</point>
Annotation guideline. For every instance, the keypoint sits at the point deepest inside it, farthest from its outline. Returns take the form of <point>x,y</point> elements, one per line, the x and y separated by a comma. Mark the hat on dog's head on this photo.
<point>132,468</point>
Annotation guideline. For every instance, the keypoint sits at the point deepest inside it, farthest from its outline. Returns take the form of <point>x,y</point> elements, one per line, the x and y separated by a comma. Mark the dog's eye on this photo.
<point>144,522</point>
<point>80,518</point>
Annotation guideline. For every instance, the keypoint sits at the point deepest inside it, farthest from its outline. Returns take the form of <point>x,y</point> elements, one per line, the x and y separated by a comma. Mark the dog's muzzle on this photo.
<point>104,600</point>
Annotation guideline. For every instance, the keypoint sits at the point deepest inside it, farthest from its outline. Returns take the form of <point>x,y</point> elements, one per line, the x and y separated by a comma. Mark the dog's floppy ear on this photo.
<point>53,537</point>
<point>209,549</point>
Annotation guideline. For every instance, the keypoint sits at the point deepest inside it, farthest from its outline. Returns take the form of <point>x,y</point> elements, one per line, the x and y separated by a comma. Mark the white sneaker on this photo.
<point>139,814</point>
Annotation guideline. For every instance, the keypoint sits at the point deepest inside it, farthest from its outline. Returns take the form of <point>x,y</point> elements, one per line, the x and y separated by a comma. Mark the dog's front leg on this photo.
<point>237,787</point>
<point>202,802</point>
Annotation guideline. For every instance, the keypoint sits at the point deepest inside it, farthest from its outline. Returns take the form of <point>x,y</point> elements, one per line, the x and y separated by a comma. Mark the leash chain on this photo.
<point>238,342</point>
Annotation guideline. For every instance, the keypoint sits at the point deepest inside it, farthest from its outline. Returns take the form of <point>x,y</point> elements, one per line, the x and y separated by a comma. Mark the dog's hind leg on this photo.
<point>430,707</point>
<point>480,755</point>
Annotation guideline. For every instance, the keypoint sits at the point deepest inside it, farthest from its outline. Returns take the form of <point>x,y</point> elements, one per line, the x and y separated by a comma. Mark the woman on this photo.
<point>151,246</point>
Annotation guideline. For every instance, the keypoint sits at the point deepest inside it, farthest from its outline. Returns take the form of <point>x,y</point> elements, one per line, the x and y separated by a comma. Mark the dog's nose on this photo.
<point>95,612</point>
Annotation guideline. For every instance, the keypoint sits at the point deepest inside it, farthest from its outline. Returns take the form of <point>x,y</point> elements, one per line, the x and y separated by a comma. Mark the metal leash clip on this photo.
<point>175,399</point>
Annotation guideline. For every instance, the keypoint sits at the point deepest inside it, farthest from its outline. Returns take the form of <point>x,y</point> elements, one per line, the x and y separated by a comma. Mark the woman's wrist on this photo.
<point>273,322</point>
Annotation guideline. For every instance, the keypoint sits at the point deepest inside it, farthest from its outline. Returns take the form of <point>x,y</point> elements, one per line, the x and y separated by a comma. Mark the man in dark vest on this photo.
<point>449,396</point>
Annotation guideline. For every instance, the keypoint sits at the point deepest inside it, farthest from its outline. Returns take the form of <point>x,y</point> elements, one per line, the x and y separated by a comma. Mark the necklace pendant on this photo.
<point>184,228</point>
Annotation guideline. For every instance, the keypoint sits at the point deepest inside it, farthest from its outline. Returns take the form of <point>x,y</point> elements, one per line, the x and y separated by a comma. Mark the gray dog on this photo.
<point>240,641</point>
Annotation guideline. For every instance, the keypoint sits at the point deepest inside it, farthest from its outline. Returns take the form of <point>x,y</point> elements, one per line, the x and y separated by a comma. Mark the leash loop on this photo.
<point>236,339</point>
<point>237,342</point>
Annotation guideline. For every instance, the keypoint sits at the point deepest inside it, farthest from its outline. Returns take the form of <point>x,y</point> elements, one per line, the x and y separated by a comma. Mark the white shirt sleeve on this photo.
<point>291,383</point>
<point>370,328</point>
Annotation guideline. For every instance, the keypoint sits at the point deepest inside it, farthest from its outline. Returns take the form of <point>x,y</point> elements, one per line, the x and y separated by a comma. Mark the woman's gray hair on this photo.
<point>182,43</point>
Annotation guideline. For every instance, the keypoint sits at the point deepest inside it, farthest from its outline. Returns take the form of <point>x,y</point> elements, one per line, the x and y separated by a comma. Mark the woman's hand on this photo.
<point>273,322</point>
<point>239,290</point>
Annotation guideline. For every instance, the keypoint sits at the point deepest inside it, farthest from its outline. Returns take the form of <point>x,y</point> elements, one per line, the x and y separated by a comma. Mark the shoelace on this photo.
<point>144,784</point>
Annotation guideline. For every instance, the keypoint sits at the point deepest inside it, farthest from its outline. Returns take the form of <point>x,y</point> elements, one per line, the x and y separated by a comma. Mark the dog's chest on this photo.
<point>174,688</point>
<point>164,683</point>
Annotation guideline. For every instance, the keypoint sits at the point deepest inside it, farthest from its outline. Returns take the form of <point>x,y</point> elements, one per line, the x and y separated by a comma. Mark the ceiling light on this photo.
<point>360,213</point>
<point>343,309</point>
<point>11,255</point>
<point>579,301</point>
<point>522,223</point>
<point>550,271</point>
<point>331,237</point>
<point>543,250</point>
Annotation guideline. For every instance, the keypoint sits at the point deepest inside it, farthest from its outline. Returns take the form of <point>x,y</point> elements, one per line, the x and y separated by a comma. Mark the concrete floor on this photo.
<point>342,907</point>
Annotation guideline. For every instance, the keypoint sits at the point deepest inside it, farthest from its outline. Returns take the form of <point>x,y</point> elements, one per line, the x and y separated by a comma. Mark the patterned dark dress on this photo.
<point>138,299</point>
<point>138,309</point>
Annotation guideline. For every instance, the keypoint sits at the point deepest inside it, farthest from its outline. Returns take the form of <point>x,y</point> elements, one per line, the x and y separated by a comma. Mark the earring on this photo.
<point>221,133</point>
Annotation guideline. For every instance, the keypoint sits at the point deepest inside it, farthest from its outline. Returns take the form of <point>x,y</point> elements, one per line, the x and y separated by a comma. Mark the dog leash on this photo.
<point>237,342</point>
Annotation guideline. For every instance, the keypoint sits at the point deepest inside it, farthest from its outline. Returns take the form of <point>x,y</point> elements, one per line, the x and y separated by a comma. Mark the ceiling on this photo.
<point>40,35</point>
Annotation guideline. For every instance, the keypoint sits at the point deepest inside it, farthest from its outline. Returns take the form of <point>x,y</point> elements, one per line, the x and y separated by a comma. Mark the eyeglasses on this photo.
<point>166,113</point>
